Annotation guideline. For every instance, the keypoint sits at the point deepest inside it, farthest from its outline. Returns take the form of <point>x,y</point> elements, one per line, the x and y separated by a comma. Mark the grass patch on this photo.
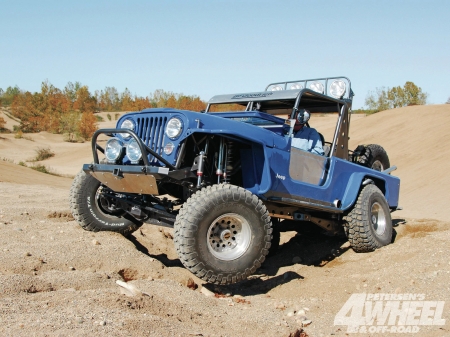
<point>43,169</point>
<point>19,135</point>
<point>43,153</point>
<point>99,118</point>
<point>21,163</point>
<point>109,116</point>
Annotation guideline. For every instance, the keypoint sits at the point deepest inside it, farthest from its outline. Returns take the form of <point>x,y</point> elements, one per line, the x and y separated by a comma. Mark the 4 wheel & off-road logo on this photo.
<point>389,313</point>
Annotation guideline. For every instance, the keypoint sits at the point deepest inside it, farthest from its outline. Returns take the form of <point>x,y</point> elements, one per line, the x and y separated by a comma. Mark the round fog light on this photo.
<point>113,149</point>
<point>337,88</point>
<point>317,87</point>
<point>133,151</point>
<point>168,149</point>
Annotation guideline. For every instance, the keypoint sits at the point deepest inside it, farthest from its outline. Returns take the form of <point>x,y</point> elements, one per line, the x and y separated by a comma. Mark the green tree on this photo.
<point>396,97</point>
<point>7,97</point>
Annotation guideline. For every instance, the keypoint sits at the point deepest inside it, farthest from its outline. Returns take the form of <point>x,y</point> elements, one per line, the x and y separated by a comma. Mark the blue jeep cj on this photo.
<point>226,181</point>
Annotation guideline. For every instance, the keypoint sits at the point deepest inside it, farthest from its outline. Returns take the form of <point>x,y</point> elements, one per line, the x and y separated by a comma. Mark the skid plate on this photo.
<point>128,182</point>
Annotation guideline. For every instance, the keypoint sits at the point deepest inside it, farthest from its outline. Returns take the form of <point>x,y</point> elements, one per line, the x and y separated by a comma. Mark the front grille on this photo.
<point>151,131</point>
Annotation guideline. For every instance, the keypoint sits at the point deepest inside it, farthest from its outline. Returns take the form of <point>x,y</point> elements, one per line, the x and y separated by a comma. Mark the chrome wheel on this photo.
<point>378,218</point>
<point>229,236</point>
<point>378,165</point>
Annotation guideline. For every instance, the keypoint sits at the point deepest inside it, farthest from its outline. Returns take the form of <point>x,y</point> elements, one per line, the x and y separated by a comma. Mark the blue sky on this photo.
<point>212,47</point>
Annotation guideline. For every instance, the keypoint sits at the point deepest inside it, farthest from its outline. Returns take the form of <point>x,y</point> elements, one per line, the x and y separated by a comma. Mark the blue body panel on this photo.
<point>269,158</point>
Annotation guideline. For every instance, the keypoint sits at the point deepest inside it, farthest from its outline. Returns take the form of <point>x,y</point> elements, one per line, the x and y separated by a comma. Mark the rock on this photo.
<point>18,229</point>
<point>298,333</point>
<point>95,242</point>
<point>207,292</point>
<point>27,254</point>
<point>290,313</point>
<point>306,309</point>
<point>102,323</point>
<point>301,312</point>
<point>72,268</point>
<point>296,259</point>
<point>191,284</point>
<point>306,322</point>
<point>129,289</point>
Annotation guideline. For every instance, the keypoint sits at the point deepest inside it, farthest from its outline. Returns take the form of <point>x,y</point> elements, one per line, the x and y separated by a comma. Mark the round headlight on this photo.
<point>337,88</point>
<point>113,149</point>
<point>134,151</point>
<point>295,86</point>
<point>174,128</point>
<point>127,124</point>
<point>168,149</point>
<point>276,88</point>
<point>317,87</point>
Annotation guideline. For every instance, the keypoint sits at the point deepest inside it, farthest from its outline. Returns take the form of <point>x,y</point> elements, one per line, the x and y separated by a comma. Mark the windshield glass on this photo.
<point>253,120</point>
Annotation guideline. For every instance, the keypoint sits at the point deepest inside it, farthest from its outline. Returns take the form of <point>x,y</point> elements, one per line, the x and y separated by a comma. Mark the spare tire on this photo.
<point>373,156</point>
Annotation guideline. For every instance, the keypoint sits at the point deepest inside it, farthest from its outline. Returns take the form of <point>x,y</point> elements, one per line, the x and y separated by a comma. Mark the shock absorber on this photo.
<point>219,171</point>
<point>228,167</point>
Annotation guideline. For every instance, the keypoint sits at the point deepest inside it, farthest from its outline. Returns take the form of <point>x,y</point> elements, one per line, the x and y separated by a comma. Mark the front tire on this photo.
<point>222,234</point>
<point>90,209</point>
<point>369,224</point>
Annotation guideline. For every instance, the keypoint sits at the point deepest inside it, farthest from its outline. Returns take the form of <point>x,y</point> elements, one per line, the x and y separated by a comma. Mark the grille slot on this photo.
<point>151,131</point>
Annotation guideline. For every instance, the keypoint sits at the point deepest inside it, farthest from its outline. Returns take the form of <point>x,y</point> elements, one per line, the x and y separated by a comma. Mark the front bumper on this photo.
<point>140,179</point>
<point>128,178</point>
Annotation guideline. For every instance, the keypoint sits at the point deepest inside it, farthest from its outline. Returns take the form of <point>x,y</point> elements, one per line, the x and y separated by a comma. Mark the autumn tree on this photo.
<point>396,97</point>
<point>88,125</point>
<point>2,123</point>
<point>84,102</point>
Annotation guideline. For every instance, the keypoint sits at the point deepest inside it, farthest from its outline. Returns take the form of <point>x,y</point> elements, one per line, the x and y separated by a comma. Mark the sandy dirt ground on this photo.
<point>58,280</point>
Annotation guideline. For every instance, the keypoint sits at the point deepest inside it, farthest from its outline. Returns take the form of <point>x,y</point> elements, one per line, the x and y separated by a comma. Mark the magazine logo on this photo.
<point>389,313</point>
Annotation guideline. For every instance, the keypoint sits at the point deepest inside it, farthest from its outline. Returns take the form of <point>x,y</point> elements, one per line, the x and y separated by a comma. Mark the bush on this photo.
<point>109,116</point>
<point>99,118</point>
<point>116,116</point>
<point>19,134</point>
<point>43,153</point>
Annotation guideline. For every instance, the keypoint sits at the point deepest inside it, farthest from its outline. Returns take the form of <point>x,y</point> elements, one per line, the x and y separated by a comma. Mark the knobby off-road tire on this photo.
<point>375,157</point>
<point>368,225</point>
<point>87,208</point>
<point>223,234</point>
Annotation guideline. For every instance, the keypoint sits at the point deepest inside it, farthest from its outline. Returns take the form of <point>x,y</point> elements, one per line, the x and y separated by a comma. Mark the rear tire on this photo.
<point>223,234</point>
<point>368,225</point>
<point>90,210</point>
<point>374,157</point>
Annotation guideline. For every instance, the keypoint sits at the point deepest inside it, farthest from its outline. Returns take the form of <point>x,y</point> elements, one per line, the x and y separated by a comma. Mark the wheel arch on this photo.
<point>357,182</point>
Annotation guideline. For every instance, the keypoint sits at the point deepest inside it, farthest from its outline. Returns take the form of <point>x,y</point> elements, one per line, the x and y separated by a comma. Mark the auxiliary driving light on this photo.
<point>113,149</point>
<point>134,151</point>
<point>337,88</point>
